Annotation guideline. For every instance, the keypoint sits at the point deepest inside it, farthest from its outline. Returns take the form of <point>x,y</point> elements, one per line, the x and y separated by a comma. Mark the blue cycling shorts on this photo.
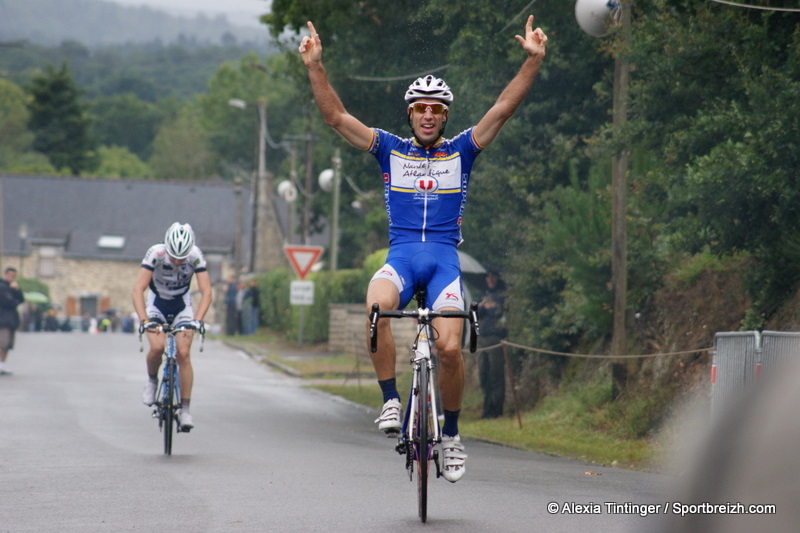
<point>432,265</point>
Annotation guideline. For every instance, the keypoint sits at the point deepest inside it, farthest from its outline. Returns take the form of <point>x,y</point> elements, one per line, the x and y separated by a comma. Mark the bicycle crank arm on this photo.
<point>436,462</point>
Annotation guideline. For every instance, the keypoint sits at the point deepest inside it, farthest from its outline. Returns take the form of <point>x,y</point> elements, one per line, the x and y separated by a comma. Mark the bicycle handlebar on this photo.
<point>169,329</point>
<point>426,315</point>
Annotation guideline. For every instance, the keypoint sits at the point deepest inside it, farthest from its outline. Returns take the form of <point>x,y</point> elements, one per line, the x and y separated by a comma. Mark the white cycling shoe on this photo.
<point>185,420</point>
<point>454,458</point>
<point>390,420</point>
<point>149,393</point>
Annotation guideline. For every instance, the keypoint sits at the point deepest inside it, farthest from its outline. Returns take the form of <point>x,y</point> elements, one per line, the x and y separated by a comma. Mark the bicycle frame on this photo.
<point>422,357</point>
<point>421,431</point>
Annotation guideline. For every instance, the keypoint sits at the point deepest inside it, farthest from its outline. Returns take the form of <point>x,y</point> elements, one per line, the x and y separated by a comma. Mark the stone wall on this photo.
<point>347,331</point>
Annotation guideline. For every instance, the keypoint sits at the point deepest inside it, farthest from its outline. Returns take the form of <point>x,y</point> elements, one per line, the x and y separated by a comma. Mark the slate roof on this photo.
<point>76,212</point>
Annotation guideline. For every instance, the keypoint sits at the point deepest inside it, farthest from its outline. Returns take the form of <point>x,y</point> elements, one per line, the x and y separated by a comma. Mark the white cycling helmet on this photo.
<point>429,87</point>
<point>179,240</point>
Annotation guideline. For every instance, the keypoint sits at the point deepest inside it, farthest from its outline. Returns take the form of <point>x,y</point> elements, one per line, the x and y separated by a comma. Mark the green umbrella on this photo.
<point>36,297</point>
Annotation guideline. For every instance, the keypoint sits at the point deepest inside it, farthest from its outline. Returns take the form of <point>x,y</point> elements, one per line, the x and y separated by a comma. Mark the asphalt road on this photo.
<point>79,452</point>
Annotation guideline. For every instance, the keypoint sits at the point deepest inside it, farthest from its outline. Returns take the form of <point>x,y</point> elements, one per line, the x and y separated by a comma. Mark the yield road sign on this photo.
<point>302,258</point>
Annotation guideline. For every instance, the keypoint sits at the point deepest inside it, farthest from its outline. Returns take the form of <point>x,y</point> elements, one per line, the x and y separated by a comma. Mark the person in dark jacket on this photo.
<point>10,297</point>
<point>491,363</point>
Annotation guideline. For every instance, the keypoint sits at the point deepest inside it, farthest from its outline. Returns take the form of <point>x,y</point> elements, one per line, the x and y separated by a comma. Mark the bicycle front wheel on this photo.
<point>423,442</point>
<point>168,407</point>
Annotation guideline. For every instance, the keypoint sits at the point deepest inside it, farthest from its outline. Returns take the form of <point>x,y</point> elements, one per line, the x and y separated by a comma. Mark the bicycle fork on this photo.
<point>406,444</point>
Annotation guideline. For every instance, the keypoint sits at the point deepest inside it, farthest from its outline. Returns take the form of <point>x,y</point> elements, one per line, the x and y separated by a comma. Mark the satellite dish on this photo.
<point>597,17</point>
<point>287,191</point>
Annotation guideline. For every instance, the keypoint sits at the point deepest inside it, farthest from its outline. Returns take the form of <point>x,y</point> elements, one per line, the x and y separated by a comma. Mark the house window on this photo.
<point>115,242</point>
<point>47,261</point>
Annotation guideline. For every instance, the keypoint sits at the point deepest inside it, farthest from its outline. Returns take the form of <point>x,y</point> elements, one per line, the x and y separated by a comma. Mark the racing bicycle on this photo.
<point>168,396</point>
<point>421,431</point>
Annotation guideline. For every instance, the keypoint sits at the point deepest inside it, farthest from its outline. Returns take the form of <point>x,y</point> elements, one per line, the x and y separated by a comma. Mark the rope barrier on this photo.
<point>594,356</point>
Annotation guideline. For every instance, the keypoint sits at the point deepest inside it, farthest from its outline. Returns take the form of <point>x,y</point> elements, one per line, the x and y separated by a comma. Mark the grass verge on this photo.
<point>575,423</point>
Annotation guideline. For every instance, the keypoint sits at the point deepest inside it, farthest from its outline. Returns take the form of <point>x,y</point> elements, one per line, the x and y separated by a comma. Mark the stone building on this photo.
<point>85,238</point>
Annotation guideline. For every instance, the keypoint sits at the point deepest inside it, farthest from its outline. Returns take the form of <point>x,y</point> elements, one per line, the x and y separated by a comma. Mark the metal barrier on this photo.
<point>778,349</point>
<point>741,359</point>
<point>733,365</point>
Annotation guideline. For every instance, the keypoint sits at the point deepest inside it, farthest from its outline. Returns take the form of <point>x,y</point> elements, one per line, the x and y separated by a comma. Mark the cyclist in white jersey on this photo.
<point>167,270</point>
<point>425,180</point>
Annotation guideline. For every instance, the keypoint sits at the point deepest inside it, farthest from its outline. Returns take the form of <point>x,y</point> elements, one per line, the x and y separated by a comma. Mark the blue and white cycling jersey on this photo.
<point>169,287</point>
<point>172,281</point>
<point>425,189</point>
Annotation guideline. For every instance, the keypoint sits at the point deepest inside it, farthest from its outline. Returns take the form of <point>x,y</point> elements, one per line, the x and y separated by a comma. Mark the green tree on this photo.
<point>181,148</point>
<point>59,121</point>
<point>14,115</point>
<point>719,107</point>
<point>119,162</point>
<point>126,120</point>
<point>16,153</point>
<point>233,130</point>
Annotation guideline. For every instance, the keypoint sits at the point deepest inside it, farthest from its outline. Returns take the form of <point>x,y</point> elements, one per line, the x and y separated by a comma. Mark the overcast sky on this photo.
<point>239,12</point>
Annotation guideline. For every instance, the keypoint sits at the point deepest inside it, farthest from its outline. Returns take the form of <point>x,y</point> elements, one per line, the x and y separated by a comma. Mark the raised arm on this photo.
<point>512,96</point>
<point>329,103</point>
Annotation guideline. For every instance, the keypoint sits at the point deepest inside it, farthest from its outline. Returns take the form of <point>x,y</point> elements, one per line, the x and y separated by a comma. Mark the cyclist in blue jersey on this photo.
<point>425,189</point>
<point>167,270</point>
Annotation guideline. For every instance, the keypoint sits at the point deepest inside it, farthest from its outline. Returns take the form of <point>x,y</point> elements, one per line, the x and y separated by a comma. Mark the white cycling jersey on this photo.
<point>171,281</point>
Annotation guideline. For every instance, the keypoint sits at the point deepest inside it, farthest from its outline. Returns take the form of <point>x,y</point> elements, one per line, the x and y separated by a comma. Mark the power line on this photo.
<point>763,8</point>
<point>403,77</point>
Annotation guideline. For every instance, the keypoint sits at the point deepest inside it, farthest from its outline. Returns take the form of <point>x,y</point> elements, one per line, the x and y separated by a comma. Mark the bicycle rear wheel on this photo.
<point>168,407</point>
<point>423,442</point>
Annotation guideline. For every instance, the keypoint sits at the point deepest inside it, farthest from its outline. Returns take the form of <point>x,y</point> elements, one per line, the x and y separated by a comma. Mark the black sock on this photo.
<point>450,427</point>
<point>389,389</point>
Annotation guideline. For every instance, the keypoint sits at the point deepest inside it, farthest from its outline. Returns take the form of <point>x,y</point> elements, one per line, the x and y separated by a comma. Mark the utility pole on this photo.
<point>237,244</point>
<point>309,179</point>
<point>337,180</point>
<point>293,178</point>
<point>268,239</point>
<point>619,189</point>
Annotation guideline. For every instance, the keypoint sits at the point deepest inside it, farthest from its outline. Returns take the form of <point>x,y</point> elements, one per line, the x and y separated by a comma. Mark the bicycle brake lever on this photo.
<point>473,320</point>
<point>373,328</point>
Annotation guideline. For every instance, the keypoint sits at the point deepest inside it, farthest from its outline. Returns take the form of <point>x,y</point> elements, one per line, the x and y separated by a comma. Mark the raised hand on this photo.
<point>311,46</point>
<point>534,41</point>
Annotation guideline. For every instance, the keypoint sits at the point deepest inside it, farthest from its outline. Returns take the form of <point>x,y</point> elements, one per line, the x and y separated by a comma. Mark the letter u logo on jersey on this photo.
<point>426,184</point>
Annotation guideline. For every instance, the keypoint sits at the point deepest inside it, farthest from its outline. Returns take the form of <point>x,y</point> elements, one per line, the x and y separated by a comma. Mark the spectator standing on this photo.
<point>491,362</point>
<point>10,297</point>
<point>252,301</point>
<point>231,314</point>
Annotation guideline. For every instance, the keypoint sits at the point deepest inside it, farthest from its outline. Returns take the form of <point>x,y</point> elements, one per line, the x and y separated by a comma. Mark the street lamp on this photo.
<point>330,181</point>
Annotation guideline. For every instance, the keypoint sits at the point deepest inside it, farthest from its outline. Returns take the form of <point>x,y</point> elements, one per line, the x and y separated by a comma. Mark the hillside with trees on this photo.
<point>101,23</point>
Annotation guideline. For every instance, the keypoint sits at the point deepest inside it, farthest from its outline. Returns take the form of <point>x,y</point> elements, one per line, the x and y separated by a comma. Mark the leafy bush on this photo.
<point>342,286</point>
